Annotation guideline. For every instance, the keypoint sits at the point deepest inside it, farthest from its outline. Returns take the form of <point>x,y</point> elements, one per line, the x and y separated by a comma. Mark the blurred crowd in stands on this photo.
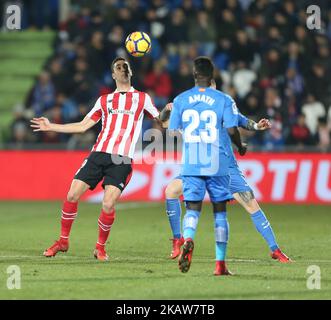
<point>266,59</point>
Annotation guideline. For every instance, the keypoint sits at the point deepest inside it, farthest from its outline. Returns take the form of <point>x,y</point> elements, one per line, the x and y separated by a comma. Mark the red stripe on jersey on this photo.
<point>103,103</point>
<point>113,122</point>
<point>149,115</point>
<point>140,108</point>
<point>124,125</point>
<point>96,115</point>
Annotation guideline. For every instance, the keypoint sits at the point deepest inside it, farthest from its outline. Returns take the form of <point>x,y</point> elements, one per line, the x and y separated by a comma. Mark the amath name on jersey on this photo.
<point>201,98</point>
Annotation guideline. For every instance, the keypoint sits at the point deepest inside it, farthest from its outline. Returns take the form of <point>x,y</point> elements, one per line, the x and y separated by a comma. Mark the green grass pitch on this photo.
<point>139,247</point>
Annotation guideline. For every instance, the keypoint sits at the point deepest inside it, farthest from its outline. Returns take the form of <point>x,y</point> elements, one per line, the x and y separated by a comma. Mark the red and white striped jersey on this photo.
<point>122,116</point>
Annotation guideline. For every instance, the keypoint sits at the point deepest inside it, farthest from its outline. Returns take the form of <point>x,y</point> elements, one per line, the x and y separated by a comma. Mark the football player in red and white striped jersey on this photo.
<point>121,113</point>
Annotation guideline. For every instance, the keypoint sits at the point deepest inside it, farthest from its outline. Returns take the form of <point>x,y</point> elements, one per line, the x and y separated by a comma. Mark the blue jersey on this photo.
<point>202,114</point>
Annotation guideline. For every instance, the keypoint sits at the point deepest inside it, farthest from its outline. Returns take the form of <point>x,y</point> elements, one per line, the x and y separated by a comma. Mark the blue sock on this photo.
<point>174,212</point>
<point>221,234</point>
<point>190,223</point>
<point>264,228</point>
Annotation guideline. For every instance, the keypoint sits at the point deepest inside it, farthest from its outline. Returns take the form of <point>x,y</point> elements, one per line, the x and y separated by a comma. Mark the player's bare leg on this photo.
<point>248,201</point>
<point>172,194</point>
<point>106,220</point>
<point>69,213</point>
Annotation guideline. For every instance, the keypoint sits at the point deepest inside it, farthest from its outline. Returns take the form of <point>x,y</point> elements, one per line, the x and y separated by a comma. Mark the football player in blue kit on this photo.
<point>203,114</point>
<point>238,187</point>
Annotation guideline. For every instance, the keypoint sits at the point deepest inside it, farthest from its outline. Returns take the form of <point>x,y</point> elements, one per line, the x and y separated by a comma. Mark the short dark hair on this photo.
<point>203,67</point>
<point>114,61</point>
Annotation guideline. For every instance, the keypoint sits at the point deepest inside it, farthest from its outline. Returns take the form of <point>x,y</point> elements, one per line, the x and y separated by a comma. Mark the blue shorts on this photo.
<point>194,188</point>
<point>238,182</point>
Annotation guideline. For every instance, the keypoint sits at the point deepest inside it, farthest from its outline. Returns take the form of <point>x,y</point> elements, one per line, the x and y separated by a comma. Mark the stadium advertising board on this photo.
<point>275,178</point>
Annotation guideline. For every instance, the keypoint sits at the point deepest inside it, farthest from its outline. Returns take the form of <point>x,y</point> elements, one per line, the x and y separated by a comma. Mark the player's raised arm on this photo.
<point>43,124</point>
<point>251,125</point>
<point>165,115</point>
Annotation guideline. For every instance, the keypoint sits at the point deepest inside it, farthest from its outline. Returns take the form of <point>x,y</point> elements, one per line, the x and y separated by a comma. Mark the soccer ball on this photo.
<point>138,43</point>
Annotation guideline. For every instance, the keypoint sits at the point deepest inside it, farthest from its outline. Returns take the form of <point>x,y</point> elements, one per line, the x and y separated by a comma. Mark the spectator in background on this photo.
<point>243,77</point>
<point>294,81</point>
<point>251,106</point>
<point>258,7</point>
<point>69,109</point>
<point>159,82</point>
<point>293,57</point>
<point>318,83</point>
<point>189,10</point>
<point>227,24</point>
<point>222,57</point>
<point>274,139</point>
<point>182,81</point>
<point>304,41</point>
<point>97,54</point>
<point>300,134</point>
<point>210,6</point>
<point>20,133</point>
<point>313,110</point>
<point>235,7</point>
<point>323,57</point>
<point>280,20</point>
<point>203,32</point>
<point>96,22</point>
<point>273,39</point>
<point>126,20</point>
<point>59,77</point>
<point>116,38</point>
<point>83,86</point>
<point>177,28</point>
<point>323,135</point>
<point>242,49</point>
<point>272,67</point>
<point>43,94</point>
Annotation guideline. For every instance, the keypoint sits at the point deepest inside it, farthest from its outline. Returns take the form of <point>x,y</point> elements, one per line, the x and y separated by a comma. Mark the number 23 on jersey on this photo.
<point>207,134</point>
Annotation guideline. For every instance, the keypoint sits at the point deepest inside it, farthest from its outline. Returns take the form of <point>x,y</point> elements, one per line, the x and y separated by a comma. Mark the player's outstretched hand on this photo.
<point>264,124</point>
<point>169,106</point>
<point>242,151</point>
<point>40,124</point>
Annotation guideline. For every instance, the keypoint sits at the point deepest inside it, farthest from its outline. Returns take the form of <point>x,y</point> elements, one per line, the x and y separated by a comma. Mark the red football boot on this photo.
<point>100,253</point>
<point>221,269</point>
<point>185,258</point>
<point>60,245</point>
<point>280,256</point>
<point>176,245</point>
